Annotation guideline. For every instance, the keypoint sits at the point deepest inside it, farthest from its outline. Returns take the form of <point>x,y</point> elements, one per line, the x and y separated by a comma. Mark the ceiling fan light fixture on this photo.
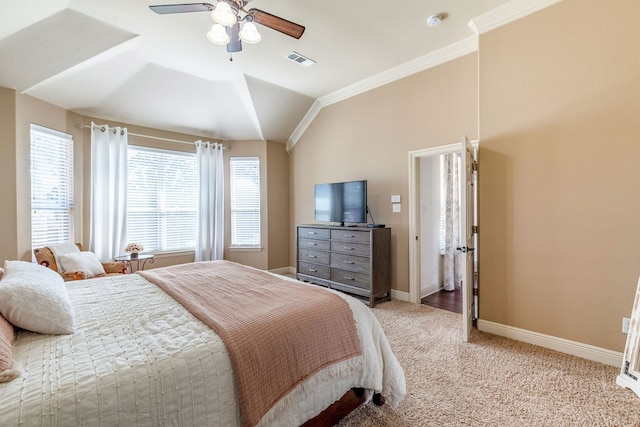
<point>218,35</point>
<point>249,33</point>
<point>224,15</point>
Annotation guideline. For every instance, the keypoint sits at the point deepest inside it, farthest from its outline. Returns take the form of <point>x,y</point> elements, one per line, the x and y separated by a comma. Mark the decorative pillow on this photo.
<point>86,262</point>
<point>7,370</point>
<point>35,298</point>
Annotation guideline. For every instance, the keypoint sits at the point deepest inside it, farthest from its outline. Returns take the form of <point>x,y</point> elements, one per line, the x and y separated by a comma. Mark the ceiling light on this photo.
<point>249,33</point>
<point>218,35</point>
<point>434,20</point>
<point>223,14</point>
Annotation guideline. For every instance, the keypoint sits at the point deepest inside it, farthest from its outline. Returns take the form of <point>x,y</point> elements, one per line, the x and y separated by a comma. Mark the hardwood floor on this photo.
<point>450,301</point>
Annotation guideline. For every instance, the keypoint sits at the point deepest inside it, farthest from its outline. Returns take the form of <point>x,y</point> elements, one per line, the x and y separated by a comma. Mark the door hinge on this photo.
<point>474,229</point>
<point>474,166</point>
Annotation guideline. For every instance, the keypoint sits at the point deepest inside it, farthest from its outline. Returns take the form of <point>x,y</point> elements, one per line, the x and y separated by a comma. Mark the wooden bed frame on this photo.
<point>341,408</point>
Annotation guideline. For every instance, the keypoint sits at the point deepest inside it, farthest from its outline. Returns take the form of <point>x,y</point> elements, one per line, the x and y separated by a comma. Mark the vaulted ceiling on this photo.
<point>117,60</point>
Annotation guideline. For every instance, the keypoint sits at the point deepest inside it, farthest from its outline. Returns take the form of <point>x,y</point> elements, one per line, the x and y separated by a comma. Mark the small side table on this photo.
<point>139,261</point>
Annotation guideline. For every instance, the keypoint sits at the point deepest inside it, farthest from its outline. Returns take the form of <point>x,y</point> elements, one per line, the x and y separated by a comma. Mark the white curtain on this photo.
<point>108,191</point>
<point>452,275</point>
<point>210,238</point>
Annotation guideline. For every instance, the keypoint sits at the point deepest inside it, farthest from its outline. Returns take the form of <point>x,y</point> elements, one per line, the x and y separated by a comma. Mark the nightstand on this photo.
<point>138,261</point>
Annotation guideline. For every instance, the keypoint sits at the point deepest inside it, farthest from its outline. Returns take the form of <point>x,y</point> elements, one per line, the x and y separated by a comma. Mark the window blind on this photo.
<point>244,176</point>
<point>52,204</point>
<point>162,199</point>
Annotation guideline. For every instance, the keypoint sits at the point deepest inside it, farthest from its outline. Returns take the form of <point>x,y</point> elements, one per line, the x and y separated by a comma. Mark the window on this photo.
<point>245,201</point>
<point>52,207</point>
<point>162,199</point>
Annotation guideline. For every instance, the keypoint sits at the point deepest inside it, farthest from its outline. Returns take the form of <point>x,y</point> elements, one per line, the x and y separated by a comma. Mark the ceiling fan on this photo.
<point>227,29</point>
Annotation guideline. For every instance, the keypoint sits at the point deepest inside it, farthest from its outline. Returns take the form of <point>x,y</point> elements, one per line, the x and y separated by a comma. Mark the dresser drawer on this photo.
<point>351,248</point>
<point>314,244</point>
<point>350,236</point>
<point>352,263</point>
<point>314,233</point>
<point>314,256</point>
<point>320,271</point>
<point>352,278</point>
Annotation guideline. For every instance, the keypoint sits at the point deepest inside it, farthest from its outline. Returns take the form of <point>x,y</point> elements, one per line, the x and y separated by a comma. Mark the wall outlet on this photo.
<point>625,325</point>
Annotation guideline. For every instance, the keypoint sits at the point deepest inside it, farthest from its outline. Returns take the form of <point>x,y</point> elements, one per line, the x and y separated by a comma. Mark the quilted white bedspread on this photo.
<point>139,358</point>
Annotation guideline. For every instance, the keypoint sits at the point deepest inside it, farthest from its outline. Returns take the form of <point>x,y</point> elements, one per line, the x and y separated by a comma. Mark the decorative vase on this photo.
<point>134,254</point>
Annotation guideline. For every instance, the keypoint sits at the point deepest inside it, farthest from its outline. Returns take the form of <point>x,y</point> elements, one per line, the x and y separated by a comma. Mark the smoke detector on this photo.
<point>435,20</point>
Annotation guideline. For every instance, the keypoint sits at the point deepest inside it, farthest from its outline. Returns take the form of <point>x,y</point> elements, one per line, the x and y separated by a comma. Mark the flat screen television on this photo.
<point>341,202</point>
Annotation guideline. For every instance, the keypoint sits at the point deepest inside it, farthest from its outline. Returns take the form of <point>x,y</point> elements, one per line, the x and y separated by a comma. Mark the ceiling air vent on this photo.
<point>300,60</point>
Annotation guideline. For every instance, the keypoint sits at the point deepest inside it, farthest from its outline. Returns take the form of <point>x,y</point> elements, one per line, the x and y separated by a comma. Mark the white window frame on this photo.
<point>166,204</point>
<point>245,194</point>
<point>52,187</point>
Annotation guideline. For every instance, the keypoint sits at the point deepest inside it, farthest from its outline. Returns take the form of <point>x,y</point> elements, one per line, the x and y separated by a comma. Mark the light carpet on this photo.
<point>490,381</point>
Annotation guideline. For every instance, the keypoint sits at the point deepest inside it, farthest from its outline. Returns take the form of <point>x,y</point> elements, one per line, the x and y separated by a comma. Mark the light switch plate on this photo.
<point>395,198</point>
<point>396,207</point>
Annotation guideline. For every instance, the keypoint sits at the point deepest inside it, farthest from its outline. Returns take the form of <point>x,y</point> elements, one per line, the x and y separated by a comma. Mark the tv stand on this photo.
<point>357,262</point>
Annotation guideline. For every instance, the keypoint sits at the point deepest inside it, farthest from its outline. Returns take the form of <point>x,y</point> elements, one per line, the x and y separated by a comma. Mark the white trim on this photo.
<point>283,270</point>
<point>400,295</point>
<point>488,21</point>
<point>586,351</point>
<point>507,13</point>
<point>304,124</point>
<point>430,290</point>
<point>430,60</point>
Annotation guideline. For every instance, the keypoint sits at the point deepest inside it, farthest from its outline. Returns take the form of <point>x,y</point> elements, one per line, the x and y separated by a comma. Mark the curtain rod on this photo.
<point>158,138</point>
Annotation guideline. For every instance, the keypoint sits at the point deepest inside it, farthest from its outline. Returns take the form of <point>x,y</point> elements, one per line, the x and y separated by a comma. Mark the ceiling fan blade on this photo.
<point>181,8</point>
<point>279,24</point>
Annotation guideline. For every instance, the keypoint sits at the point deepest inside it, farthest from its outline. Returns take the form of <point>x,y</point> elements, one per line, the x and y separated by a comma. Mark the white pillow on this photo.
<point>34,297</point>
<point>87,262</point>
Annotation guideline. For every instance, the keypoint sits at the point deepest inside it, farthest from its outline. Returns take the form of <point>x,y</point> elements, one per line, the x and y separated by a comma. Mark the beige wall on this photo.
<point>369,137</point>
<point>8,213</point>
<point>277,205</point>
<point>559,155</point>
<point>559,102</point>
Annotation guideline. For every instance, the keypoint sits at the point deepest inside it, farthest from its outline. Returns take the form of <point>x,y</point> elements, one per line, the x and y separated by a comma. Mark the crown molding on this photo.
<point>507,13</point>
<point>304,124</point>
<point>432,59</point>
<point>491,20</point>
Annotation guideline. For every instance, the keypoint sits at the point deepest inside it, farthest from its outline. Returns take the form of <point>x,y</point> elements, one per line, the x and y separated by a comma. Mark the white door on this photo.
<point>466,235</point>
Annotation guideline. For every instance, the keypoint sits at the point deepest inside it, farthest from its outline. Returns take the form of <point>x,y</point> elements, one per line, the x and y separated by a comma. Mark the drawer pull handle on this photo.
<point>313,270</point>
<point>312,256</point>
<point>350,278</point>
<point>312,232</point>
<point>349,249</point>
<point>349,235</point>
<point>349,262</point>
<point>313,244</point>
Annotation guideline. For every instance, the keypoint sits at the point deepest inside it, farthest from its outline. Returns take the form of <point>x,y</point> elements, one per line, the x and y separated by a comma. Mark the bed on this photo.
<point>138,357</point>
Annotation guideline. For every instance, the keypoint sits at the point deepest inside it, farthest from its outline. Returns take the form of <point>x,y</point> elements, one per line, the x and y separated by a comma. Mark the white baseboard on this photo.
<point>428,290</point>
<point>586,351</point>
<point>400,295</point>
<point>283,270</point>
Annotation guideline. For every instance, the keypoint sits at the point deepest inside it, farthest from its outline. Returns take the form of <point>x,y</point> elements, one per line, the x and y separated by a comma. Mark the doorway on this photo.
<point>468,229</point>
<point>441,264</point>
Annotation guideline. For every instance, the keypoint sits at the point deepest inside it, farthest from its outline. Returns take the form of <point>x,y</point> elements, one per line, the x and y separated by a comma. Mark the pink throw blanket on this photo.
<point>277,333</point>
